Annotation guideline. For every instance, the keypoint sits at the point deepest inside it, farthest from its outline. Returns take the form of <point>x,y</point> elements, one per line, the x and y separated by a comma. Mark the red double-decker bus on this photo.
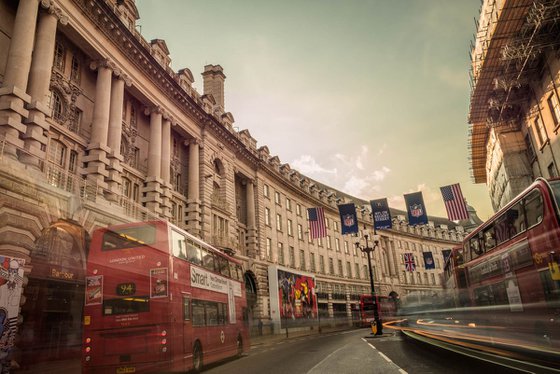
<point>159,299</point>
<point>362,312</point>
<point>510,263</point>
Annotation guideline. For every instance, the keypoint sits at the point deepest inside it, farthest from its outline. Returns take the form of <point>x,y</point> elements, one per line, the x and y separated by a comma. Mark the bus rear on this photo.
<point>126,317</point>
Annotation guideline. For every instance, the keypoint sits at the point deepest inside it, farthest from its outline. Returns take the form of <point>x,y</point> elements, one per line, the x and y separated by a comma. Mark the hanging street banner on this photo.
<point>416,209</point>
<point>381,214</point>
<point>429,260</point>
<point>348,218</point>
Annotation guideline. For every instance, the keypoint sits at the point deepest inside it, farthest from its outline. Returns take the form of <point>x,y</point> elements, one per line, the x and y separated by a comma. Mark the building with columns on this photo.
<point>515,104</point>
<point>96,129</point>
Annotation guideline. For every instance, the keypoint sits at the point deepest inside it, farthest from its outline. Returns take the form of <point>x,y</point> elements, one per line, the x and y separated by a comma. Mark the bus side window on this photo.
<point>193,253</point>
<point>517,216</point>
<point>475,247</point>
<point>224,266</point>
<point>239,272</point>
<point>186,309</point>
<point>208,260</point>
<point>178,244</point>
<point>489,238</point>
<point>198,315</point>
<point>233,271</point>
<point>534,208</point>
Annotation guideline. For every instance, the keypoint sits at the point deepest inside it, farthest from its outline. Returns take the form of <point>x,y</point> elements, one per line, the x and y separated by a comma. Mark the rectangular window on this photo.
<point>269,249</point>
<point>541,132</point>
<point>322,264</point>
<point>75,70</point>
<point>59,56</point>
<point>336,226</point>
<point>366,272</point>
<point>348,269</point>
<point>331,266</point>
<point>302,259</point>
<point>345,247</point>
<point>357,270</point>
<point>267,216</point>
<point>554,107</point>
<point>288,205</point>
<point>281,253</point>
<point>266,190</point>
<point>329,244</point>
<point>354,250</point>
<point>298,210</point>
<point>530,149</point>
<point>292,257</point>
<point>337,244</point>
<point>300,231</point>
<point>340,269</point>
<point>278,222</point>
<point>312,261</point>
<point>290,230</point>
<point>277,198</point>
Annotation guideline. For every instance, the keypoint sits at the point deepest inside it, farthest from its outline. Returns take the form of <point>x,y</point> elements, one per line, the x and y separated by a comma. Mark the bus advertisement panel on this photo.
<point>158,300</point>
<point>292,297</point>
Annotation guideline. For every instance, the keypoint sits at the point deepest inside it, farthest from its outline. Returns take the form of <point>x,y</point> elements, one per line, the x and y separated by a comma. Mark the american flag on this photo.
<point>317,223</point>
<point>454,202</point>
<point>409,262</point>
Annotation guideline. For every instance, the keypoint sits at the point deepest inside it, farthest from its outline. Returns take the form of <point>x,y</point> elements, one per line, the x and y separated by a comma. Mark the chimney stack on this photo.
<point>213,81</point>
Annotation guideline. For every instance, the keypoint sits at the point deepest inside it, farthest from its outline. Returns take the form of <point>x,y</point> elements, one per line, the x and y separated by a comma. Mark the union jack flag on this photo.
<point>409,262</point>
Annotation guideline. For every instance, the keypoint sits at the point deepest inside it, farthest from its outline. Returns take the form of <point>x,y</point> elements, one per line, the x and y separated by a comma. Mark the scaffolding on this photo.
<point>507,55</point>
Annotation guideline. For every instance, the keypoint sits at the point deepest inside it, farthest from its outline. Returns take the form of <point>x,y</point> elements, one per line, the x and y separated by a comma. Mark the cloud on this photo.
<point>307,165</point>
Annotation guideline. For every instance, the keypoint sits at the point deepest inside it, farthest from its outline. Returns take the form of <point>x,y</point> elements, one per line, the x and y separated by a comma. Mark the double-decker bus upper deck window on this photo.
<point>239,272</point>
<point>178,244</point>
<point>475,247</point>
<point>489,238</point>
<point>194,253</point>
<point>223,266</point>
<point>534,208</point>
<point>208,260</point>
<point>128,237</point>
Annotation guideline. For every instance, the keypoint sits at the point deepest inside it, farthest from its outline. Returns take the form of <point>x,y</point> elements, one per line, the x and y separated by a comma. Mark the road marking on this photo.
<point>385,357</point>
<point>326,358</point>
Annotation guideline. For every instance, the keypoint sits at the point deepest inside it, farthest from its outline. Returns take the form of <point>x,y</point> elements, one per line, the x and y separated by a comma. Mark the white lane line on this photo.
<point>402,371</point>
<point>326,358</point>
<point>385,357</point>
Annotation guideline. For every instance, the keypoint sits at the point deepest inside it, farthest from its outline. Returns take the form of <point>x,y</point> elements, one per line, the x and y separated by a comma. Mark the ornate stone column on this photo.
<point>165,166</point>
<point>252,241</point>
<point>152,185</point>
<point>193,195</point>
<point>13,91</point>
<point>115,133</point>
<point>39,80</point>
<point>96,160</point>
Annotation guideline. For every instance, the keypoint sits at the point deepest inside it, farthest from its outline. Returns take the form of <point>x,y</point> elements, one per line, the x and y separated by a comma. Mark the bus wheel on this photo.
<point>197,358</point>
<point>239,346</point>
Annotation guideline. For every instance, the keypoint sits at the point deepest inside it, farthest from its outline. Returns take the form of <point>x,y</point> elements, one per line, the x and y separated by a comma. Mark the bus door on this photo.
<point>187,326</point>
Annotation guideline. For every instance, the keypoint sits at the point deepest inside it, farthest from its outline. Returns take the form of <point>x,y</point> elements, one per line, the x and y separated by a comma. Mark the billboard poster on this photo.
<point>11,286</point>
<point>158,282</point>
<point>94,290</point>
<point>292,297</point>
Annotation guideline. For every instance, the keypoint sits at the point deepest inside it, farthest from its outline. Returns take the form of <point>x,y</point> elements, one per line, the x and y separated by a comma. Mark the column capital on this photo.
<point>102,63</point>
<point>168,117</point>
<point>153,109</point>
<point>118,73</point>
<point>194,141</point>
<point>54,10</point>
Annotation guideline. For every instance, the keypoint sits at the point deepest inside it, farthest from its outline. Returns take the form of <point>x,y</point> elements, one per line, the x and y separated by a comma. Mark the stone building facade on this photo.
<point>515,101</point>
<point>96,129</point>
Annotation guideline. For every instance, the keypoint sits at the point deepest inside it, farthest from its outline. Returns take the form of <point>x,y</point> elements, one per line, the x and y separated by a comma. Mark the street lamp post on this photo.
<point>367,250</point>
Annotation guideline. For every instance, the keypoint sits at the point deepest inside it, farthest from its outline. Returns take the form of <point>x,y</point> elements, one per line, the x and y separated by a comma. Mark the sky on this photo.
<point>369,97</point>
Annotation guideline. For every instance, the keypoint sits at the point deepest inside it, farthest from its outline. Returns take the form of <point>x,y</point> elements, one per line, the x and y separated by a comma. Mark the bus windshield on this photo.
<point>128,237</point>
<point>556,192</point>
